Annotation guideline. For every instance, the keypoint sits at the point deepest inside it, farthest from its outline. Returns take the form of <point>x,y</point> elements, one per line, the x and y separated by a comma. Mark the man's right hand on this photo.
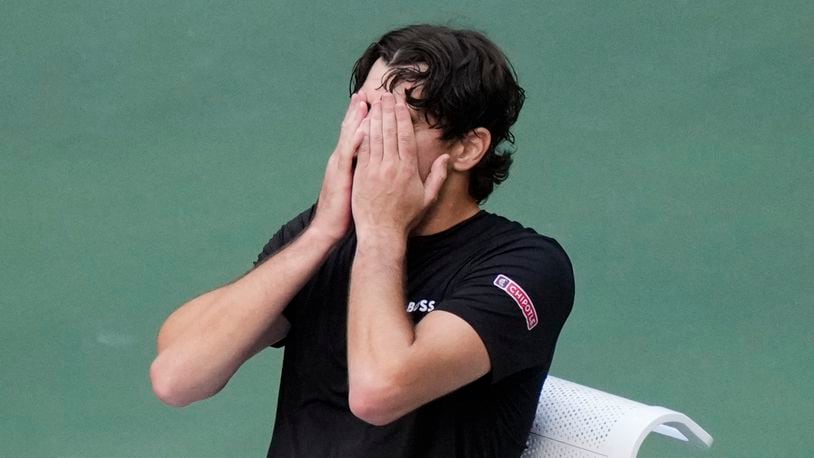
<point>333,215</point>
<point>203,343</point>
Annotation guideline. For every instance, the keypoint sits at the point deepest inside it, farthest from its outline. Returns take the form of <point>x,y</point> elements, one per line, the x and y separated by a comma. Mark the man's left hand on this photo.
<point>389,197</point>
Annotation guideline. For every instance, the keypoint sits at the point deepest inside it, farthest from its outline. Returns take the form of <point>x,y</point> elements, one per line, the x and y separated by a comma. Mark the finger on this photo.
<point>363,152</point>
<point>435,180</point>
<point>358,138</point>
<point>354,120</point>
<point>389,133</point>
<point>354,100</point>
<point>360,112</point>
<point>406,133</point>
<point>351,150</point>
<point>351,138</point>
<point>362,96</point>
<point>375,130</point>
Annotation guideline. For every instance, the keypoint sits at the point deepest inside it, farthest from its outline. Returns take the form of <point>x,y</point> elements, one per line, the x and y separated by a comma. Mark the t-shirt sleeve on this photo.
<point>517,298</point>
<point>285,235</point>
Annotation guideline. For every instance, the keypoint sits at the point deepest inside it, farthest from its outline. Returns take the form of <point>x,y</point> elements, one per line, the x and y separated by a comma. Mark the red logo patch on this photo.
<point>523,300</point>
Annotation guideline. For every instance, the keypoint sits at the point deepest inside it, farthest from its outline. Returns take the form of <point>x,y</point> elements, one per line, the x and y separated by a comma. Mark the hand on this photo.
<point>389,197</point>
<point>333,215</point>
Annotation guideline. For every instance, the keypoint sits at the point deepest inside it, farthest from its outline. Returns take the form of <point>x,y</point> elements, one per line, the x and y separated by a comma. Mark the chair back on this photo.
<point>576,421</point>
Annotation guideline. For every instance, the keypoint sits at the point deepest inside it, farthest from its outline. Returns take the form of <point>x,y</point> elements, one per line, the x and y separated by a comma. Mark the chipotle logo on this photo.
<point>520,297</point>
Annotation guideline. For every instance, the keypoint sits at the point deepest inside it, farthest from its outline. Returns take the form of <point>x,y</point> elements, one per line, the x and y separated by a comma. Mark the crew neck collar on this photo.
<point>460,227</point>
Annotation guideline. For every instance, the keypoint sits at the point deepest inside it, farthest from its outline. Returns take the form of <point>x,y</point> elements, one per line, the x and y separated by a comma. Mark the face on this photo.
<point>428,140</point>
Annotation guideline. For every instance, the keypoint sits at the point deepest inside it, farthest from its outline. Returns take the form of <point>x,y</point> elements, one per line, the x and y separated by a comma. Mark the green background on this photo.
<point>149,149</point>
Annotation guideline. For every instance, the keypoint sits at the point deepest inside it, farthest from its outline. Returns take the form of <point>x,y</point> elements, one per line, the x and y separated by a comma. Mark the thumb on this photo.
<point>436,178</point>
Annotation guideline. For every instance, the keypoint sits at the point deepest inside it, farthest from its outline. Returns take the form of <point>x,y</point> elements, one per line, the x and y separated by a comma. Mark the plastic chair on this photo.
<point>575,421</point>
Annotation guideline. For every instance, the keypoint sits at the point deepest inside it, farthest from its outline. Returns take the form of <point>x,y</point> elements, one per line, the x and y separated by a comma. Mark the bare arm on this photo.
<point>394,366</point>
<point>203,343</point>
<point>187,314</point>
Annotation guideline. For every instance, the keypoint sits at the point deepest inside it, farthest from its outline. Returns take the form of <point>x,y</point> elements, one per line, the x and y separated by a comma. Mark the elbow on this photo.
<point>374,403</point>
<point>166,387</point>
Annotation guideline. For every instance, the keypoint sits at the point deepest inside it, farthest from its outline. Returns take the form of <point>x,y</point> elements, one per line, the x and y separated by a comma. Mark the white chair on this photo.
<point>575,421</point>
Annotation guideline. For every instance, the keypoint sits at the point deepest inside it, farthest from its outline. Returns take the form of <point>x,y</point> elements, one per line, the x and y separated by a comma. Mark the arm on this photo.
<point>203,343</point>
<point>196,357</point>
<point>394,366</point>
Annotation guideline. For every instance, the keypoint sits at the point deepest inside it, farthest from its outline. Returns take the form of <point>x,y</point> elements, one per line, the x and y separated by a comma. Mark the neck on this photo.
<point>454,204</point>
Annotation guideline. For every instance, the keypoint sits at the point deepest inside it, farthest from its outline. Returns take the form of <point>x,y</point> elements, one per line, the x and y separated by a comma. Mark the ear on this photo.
<point>471,149</point>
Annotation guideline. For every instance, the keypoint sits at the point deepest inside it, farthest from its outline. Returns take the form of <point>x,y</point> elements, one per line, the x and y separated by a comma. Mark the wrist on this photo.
<point>381,243</point>
<point>316,236</point>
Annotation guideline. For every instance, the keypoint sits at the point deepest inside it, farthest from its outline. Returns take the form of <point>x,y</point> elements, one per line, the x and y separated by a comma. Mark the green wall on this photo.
<point>149,149</point>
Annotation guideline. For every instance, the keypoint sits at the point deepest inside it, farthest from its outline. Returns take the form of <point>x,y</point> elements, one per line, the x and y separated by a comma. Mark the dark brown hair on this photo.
<point>466,82</point>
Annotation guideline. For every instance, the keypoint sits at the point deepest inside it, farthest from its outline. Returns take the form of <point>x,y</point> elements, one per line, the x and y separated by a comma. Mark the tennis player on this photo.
<point>415,323</point>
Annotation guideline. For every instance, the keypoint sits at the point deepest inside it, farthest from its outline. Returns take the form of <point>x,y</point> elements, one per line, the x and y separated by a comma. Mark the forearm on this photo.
<point>380,332</point>
<point>184,316</point>
<point>196,360</point>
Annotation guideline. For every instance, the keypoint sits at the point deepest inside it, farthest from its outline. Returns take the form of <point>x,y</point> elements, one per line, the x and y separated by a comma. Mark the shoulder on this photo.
<point>302,220</point>
<point>516,291</point>
<point>287,232</point>
<point>509,253</point>
<point>506,240</point>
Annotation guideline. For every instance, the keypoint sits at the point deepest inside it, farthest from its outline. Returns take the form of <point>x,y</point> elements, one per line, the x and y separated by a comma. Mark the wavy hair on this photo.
<point>466,82</point>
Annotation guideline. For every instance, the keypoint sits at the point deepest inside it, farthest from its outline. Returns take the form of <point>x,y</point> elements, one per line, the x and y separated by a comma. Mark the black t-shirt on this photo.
<point>512,285</point>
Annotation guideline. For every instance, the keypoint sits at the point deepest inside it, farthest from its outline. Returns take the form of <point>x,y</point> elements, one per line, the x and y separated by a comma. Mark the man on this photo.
<point>415,324</point>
